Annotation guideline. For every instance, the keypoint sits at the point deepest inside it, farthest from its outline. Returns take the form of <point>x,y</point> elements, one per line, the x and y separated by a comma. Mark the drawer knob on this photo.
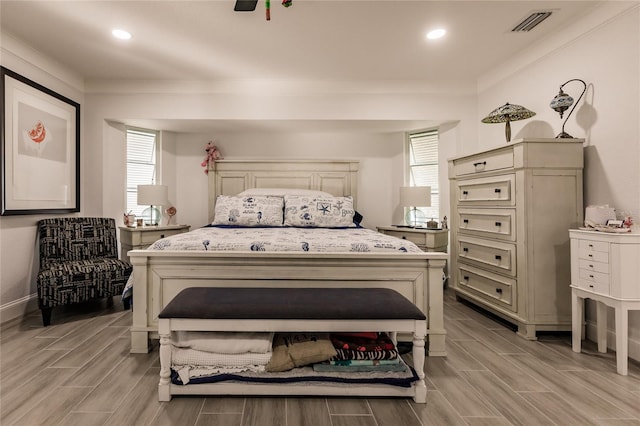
<point>404,237</point>
<point>498,257</point>
<point>465,221</point>
<point>161,235</point>
<point>590,276</point>
<point>590,255</point>
<point>466,278</point>
<point>590,266</point>
<point>497,190</point>
<point>465,249</point>
<point>465,192</point>
<point>499,290</point>
<point>498,223</point>
<point>481,163</point>
<point>591,245</point>
<point>590,285</point>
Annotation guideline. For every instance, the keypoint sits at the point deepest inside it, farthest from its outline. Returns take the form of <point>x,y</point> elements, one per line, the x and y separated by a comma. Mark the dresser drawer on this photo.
<point>499,290</point>
<point>494,255</point>
<point>594,281</point>
<point>493,223</point>
<point>485,162</point>
<point>495,191</point>
<point>591,265</point>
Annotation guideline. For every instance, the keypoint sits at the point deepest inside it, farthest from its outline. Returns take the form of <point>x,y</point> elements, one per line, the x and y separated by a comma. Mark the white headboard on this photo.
<point>229,177</point>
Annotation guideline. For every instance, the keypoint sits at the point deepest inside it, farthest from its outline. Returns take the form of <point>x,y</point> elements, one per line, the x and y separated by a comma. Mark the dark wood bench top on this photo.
<point>290,303</point>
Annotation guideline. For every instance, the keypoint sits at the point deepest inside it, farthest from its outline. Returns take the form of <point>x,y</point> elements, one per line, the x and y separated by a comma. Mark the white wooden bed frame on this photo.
<point>159,275</point>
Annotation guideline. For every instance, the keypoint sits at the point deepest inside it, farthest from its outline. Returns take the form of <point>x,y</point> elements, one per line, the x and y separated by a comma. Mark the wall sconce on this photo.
<point>414,197</point>
<point>561,102</point>
<point>152,195</point>
<point>506,114</point>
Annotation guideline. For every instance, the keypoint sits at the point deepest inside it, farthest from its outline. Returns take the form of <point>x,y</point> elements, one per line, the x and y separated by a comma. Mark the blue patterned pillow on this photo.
<point>248,211</point>
<point>319,212</point>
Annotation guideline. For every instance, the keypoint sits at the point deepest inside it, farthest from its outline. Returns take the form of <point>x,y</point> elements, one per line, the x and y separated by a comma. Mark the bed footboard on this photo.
<point>160,275</point>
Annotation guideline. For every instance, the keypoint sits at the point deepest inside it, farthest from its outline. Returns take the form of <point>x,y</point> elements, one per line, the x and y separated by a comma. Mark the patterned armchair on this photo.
<point>78,262</point>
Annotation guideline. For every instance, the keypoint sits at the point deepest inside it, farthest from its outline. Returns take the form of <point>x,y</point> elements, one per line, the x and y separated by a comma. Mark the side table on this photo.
<point>141,237</point>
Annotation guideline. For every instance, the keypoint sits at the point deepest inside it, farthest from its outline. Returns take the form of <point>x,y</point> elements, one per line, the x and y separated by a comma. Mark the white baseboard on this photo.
<point>634,345</point>
<point>18,308</point>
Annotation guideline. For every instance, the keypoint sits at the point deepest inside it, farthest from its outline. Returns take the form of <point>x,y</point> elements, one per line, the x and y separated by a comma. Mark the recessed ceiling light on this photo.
<point>435,34</point>
<point>121,34</point>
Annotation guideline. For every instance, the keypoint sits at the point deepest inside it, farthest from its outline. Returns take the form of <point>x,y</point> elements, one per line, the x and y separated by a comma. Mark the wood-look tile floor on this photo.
<point>78,371</point>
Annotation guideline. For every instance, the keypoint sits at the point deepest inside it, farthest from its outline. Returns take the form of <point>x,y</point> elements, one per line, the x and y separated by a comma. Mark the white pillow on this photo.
<point>281,192</point>
<point>319,212</point>
<point>248,211</point>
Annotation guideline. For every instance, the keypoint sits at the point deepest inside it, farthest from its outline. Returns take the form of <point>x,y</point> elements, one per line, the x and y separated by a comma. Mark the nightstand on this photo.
<point>426,239</point>
<point>142,237</point>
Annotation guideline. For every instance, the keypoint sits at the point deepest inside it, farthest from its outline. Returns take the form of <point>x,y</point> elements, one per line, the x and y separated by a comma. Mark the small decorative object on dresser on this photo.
<point>142,237</point>
<point>171,212</point>
<point>510,211</point>
<point>605,268</point>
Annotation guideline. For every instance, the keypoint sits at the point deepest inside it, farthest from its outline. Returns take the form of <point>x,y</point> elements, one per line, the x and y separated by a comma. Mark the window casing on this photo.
<point>142,167</point>
<point>422,159</point>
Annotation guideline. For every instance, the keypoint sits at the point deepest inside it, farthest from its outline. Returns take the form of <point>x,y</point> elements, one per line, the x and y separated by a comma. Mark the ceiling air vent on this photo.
<point>531,21</point>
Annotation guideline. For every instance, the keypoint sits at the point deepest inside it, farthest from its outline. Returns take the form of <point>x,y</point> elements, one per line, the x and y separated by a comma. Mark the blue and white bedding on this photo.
<point>285,239</point>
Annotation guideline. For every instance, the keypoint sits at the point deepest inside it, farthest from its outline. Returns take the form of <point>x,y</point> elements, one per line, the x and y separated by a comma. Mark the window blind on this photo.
<point>141,165</point>
<point>423,167</point>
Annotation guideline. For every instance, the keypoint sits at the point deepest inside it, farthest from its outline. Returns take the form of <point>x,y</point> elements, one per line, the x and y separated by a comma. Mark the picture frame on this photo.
<point>40,146</point>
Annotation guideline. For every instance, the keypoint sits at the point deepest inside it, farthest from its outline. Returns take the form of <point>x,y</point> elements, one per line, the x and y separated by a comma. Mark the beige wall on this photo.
<point>607,58</point>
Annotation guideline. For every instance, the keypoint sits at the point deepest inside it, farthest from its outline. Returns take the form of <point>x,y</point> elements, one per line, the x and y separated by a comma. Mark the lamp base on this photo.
<point>415,217</point>
<point>151,216</point>
<point>564,135</point>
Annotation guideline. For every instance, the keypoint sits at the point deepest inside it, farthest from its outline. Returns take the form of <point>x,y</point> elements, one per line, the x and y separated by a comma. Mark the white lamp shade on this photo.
<point>153,195</point>
<point>415,196</point>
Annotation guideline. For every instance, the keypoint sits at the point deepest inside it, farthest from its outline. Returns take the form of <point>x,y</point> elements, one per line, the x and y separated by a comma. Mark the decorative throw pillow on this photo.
<point>248,211</point>
<point>292,350</point>
<point>319,212</point>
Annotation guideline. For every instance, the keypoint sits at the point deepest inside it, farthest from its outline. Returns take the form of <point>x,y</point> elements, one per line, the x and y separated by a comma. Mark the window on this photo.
<point>423,168</point>
<point>142,148</point>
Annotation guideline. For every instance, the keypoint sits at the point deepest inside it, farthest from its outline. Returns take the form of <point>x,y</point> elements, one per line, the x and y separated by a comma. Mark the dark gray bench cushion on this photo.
<point>290,303</point>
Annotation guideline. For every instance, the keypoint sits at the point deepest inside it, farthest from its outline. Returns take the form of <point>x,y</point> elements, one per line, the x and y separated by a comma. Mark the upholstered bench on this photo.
<point>245,309</point>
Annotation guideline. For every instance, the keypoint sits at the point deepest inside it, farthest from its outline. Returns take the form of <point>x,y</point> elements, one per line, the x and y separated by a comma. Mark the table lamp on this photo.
<point>414,197</point>
<point>506,114</point>
<point>152,195</point>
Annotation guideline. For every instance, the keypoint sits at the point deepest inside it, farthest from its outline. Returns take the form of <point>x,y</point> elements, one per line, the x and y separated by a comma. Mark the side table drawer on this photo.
<point>150,237</point>
<point>591,265</point>
<point>594,281</point>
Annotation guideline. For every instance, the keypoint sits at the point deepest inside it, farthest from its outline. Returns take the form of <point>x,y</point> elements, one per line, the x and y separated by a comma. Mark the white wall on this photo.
<point>607,58</point>
<point>18,252</point>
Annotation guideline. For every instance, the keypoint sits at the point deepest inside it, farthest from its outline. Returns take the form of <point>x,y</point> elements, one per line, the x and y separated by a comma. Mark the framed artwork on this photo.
<point>40,141</point>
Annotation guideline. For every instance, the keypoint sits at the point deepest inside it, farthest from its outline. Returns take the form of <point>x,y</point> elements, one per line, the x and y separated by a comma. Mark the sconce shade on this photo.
<point>415,196</point>
<point>153,195</point>
<point>506,114</point>
<point>561,102</point>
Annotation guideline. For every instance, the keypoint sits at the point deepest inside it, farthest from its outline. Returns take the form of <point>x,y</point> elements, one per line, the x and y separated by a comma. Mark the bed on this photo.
<point>159,275</point>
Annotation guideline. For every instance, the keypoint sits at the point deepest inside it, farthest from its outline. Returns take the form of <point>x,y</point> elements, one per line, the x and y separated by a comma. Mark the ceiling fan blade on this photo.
<point>245,5</point>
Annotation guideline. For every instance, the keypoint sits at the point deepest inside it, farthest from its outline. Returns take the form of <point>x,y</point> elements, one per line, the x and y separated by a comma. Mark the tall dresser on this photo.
<point>511,207</point>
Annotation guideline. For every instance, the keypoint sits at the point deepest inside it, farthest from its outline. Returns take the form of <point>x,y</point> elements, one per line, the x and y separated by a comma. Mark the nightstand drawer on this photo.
<point>497,256</point>
<point>493,223</point>
<point>500,290</point>
<point>496,191</point>
<point>485,162</point>
<point>151,237</point>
